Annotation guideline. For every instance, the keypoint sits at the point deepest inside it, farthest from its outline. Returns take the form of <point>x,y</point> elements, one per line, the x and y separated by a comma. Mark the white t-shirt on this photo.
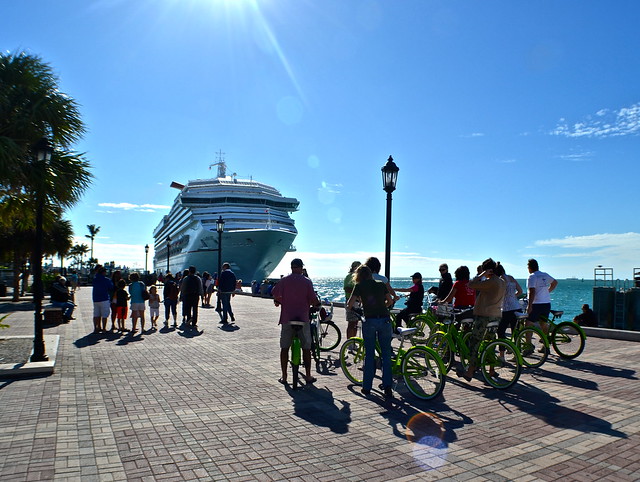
<point>379,277</point>
<point>540,282</point>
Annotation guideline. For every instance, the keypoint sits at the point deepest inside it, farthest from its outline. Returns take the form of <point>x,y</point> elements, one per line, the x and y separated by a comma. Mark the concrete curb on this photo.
<point>33,368</point>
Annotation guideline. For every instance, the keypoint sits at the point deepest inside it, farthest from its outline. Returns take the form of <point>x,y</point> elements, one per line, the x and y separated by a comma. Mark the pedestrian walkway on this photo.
<point>180,405</point>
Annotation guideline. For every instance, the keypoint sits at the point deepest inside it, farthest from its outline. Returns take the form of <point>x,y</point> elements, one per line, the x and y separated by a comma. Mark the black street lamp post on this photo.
<point>42,155</point>
<point>168,251</point>
<point>146,258</point>
<point>389,180</point>
<point>220,229</point>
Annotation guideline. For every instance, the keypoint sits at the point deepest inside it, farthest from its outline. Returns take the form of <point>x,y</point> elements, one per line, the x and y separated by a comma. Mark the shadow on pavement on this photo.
<point>317,406</point>
<point>87,340</point>
<point>530,399</point>
<point>562,379</point>
<point>190,333</point>
<point>598,369</point>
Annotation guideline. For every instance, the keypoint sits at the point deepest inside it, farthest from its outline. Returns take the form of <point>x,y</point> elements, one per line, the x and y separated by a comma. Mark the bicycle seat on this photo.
<point>493,324</point>
<point>405,331</point>
<point>557,314</point>
<point>297,323</point>
<point>466,321</point>
<point>521,315</point>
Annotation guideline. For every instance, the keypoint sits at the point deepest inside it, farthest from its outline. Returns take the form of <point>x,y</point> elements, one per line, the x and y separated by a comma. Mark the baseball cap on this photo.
<point>297,263</point>
<point>62,279</point>
<point>416,275</point>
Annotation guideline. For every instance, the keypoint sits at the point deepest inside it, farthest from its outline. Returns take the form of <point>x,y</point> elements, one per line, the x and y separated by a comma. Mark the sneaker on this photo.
<point>527,351</point>
<point>233,318</point>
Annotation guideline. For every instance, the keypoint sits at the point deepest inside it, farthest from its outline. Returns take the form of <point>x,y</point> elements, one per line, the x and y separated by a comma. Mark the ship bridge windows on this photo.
<point>290,206</point>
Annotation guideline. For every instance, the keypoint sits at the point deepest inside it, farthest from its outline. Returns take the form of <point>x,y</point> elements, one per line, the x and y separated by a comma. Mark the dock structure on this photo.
<point>183,405</point>
<point>616,303</point>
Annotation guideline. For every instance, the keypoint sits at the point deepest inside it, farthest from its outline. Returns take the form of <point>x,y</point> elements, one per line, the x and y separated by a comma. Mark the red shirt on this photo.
<point>295,295</point>
<point>465,296</point>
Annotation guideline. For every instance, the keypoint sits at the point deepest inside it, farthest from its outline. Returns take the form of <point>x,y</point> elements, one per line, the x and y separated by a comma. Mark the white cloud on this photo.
<point>472,135</point>
<point>604,123</point>
<point>146,208</point>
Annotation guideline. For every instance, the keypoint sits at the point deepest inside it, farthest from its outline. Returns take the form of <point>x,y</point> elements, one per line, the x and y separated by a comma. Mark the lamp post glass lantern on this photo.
<point>42,152</point>
<point>389,180</point>
<point>146,258</point>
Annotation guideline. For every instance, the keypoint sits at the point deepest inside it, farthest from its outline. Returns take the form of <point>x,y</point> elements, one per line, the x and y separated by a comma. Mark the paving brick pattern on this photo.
<point>176,405</point>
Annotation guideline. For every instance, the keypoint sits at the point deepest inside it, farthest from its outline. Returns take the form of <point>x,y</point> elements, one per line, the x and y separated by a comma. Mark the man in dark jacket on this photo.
<point>61,298</point>
<point>192,290</point>
<point>226,287</point>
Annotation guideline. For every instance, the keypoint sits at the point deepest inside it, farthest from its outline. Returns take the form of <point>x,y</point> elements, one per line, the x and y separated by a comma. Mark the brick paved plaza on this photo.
<point>175,405</point>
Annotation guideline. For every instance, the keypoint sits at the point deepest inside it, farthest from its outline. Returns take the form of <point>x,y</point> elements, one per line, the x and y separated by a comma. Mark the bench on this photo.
<point>52,314</point>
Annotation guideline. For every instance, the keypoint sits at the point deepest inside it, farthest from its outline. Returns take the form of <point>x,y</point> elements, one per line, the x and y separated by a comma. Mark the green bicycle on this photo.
<point>420,367</point>
<point>567,338</point>
<point>500,360</point>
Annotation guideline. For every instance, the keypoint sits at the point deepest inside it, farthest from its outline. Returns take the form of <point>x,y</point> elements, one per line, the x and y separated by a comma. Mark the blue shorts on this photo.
<point>539,310</point>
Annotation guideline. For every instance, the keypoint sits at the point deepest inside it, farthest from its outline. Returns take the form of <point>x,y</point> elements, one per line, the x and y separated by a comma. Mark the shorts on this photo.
<point>121,312</point>
<point>137,306</point>
<point>101,309</point>
<point>351,315</point>
<point>154,311</point>
<point>539,310</point>
<point>286,336</point>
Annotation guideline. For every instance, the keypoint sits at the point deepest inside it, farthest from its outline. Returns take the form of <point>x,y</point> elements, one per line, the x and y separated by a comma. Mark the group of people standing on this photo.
<point>112,297</point>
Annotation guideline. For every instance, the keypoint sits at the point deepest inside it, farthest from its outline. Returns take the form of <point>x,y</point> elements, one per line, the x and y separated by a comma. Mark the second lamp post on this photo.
<point>389,179</point>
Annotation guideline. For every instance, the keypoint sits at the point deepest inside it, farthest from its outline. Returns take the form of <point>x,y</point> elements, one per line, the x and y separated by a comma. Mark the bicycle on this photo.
<point>567,338</point>
<point>296,352</point>
<point>498,371</point>
<point>420,367</point>
<point>325,334</point>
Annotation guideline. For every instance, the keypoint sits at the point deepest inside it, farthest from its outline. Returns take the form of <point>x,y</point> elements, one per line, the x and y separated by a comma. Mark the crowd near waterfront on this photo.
<point>569,296</point>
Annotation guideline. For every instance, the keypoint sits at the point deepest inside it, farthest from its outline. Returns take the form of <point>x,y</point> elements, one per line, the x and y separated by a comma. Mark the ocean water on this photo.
<point>569,295</point>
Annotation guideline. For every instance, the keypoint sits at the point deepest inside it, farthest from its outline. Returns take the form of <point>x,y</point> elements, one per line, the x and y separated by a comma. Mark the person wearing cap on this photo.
<point>414,301</point>
<point>226,287</point>
<point>61,298</point>
<point>352,316</point>
<point>295,295</point>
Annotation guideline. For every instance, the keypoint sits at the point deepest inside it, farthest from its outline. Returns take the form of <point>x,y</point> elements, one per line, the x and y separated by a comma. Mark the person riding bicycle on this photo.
<point>488,308</point>
<point>295,294</point>
<point>463,297</point>
<point>414,302</point>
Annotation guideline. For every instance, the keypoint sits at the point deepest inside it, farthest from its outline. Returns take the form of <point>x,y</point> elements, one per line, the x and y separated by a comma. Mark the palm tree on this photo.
<point>77,252</point>
<point>32,108</point>
<point>93,231</point>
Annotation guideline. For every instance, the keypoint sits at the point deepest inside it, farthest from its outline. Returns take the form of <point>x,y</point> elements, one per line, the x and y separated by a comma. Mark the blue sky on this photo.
<point>514,124</point>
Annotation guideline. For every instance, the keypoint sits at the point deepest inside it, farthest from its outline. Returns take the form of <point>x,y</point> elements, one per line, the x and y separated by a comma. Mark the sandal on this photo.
<point>462,374</point>
<point>283,381</point>
<point>310,380</point>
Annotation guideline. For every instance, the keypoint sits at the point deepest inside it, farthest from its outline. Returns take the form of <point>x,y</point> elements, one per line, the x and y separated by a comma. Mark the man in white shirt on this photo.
<point>539,286</point>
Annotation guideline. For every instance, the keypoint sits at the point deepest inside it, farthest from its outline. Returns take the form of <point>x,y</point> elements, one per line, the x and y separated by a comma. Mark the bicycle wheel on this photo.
<point>531,350</point>
<point>438,342</point>
<point>424,328</point>
<point>500,372</point>
<point>352,359</point>
<point>329,335</point>
<point>568,339</point>
<point>423,372</point>
<point>466,352</point>
<point>315,343</point>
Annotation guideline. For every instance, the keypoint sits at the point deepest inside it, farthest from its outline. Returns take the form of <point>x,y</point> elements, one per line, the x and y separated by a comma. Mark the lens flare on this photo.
<point>426,432</point>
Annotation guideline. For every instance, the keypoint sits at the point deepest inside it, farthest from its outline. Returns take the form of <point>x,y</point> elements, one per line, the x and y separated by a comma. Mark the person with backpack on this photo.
<point>170,294</point>
<point>192,291</point>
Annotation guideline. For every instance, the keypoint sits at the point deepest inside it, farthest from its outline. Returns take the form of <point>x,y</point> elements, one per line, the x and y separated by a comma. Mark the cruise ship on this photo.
<point>258,230</point>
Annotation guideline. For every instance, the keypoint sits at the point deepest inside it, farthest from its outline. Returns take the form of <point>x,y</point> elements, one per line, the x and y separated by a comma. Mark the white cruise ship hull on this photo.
<point>258,230</point>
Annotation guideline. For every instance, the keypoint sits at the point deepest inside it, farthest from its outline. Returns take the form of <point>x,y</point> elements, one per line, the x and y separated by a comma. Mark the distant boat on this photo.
<point>573,278</point>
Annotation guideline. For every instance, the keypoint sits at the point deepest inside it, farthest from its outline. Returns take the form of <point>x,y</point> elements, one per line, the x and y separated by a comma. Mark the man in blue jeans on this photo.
<point>226,287</point>
<point>61,298</point>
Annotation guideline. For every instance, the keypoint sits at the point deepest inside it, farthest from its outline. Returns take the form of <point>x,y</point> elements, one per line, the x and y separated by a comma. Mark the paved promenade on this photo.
<point>176,405</point>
